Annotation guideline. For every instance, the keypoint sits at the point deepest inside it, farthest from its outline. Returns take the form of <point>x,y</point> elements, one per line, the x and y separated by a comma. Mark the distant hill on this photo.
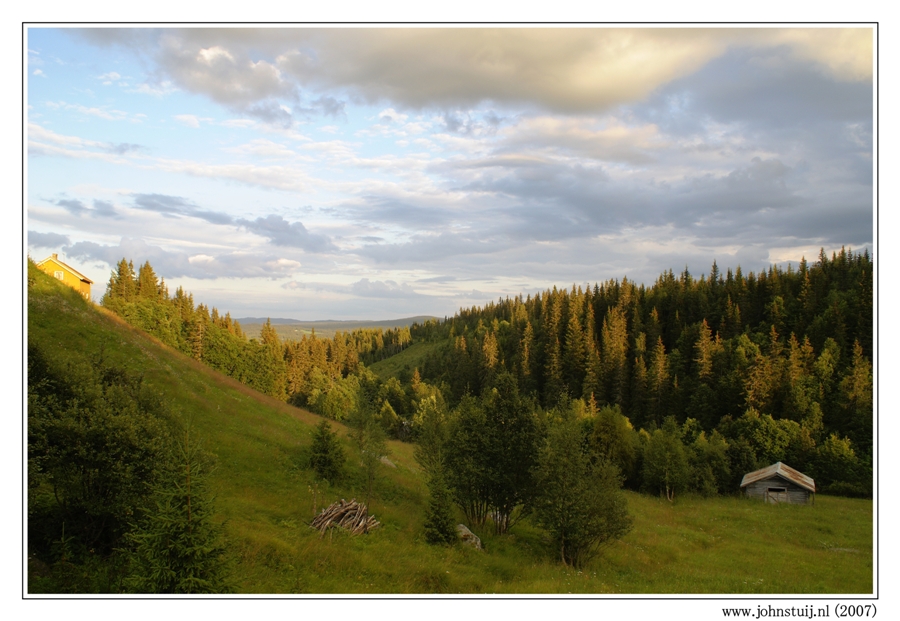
<point>295,328</point>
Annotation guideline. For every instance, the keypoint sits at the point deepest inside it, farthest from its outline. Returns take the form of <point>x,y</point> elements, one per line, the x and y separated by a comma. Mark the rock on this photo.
<point>387,462</point>
<point>468,537</point>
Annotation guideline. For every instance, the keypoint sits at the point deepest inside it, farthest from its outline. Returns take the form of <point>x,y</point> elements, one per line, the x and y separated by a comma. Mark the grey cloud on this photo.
<point>761,90</point>
<point>179,206</point>
<point>270,112</point>
<point>170,264</point>
<point>329,106</point>
<point>382,289</point>
<point>47,240</point>
<point>280,232</point>
<point>213,217</point>
<point>75,207</point>
<point>438,279</point>
<point>400,211</point>
<point>470,123</point>
<point>163,203</point>
<point>432,248</point>
<point>104,209</point>
<point>123,147</point>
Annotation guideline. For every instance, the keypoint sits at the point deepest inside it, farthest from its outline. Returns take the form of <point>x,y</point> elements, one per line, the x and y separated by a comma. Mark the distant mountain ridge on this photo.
<point>295,328</point>
<point>384,323</point>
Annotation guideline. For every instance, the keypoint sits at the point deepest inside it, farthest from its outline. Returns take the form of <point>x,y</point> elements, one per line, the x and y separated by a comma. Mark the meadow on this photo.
<point>265,496</point>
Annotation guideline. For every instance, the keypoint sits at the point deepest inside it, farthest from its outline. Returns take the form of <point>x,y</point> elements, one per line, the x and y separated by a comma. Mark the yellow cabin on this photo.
<point>72,277</point>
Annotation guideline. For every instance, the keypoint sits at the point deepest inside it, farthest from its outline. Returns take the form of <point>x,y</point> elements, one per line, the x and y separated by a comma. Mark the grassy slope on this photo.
<point>406,361</point>
<point>723,545</point>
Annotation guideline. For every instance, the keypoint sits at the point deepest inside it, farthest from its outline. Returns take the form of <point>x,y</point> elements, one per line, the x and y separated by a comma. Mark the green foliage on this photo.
<point>431,454</point>
<point>710,469</point>
<point>96,442</point>
<point>697,545</point>
<point>440,527</point>
<point>615,440</point>
<point>777,342</point>
<point>178,547</point>
<point>369,438</point>
<point>666,468</point>
<point>326,455</point>
<point>466,460</point>
<point>580,500</point>
<point>836,463</point>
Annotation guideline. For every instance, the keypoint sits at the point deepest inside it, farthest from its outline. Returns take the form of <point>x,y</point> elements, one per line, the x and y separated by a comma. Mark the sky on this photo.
<point>376,173</point>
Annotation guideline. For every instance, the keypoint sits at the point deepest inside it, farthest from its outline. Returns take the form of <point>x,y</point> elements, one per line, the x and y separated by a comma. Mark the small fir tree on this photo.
<point>439,522</point>
<point>178,548</point>
<point>327,457</point>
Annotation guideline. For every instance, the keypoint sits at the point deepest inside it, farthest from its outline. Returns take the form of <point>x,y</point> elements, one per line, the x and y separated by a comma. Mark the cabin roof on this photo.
<point>780,470</point>
<point>56,260</point>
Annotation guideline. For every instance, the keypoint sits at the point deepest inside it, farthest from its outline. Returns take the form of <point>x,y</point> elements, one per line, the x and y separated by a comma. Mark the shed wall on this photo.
<point>795,493</point>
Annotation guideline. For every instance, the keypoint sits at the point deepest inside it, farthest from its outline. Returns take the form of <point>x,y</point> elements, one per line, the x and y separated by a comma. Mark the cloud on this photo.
<point>109,77</point>
<point>189,120</point>
<point>263,148</point>
<point>47,240</point>
<point>283,233</point>
<point>273,177</point>
<point>174,264</point>
<point>382,289</point>
<point>107,113</point>
<point>430,248</point>
<point>39,73</point>
<point>73,206</point>
<point>568,70</point>
<point>179,206</point>
<point>156,90</point>
<point>38,134</point>
<point>104,209</point>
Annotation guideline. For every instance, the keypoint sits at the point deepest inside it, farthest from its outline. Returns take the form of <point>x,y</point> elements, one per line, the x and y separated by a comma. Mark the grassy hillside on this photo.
<point>264,497</point>
<point>403,363</point>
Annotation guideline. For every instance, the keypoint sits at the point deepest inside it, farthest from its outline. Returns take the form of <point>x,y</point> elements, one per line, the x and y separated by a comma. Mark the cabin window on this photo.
<point>776,494</point>
<point>59,274</point>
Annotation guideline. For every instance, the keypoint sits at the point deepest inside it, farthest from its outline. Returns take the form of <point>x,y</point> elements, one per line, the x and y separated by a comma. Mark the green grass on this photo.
<point>264,497</point>
<point>404,362</point>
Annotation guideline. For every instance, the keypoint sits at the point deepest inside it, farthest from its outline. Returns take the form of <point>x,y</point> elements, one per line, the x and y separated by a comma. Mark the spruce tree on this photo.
<point>178,547</point>
<point>327,456</point>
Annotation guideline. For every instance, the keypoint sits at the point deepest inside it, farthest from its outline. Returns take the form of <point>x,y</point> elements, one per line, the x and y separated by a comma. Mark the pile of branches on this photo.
<point>353,516</point>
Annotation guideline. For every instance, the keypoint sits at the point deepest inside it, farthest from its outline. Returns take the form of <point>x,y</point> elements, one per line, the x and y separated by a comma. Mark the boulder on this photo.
<point>387,462</point>
<point>468,537</point>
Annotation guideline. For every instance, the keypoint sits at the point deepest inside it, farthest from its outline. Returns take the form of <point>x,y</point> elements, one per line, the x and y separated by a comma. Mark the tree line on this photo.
<point>723,373</point>
<point>775,364</point>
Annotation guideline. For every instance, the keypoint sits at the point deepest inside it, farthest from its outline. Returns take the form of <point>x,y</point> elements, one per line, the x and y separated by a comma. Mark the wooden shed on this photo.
<point>779,483</point>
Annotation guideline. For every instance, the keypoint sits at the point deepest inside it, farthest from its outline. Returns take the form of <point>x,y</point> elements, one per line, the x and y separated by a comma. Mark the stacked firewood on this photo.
<point>352,516</point>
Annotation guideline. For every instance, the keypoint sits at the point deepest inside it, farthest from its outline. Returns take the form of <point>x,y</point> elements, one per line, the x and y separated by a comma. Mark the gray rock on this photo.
<point>468,537</point>
<point>387,462</point>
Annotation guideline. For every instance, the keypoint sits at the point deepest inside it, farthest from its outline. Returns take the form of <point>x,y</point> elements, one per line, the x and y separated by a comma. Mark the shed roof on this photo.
<point>781,470</point>
<point>56,260</point>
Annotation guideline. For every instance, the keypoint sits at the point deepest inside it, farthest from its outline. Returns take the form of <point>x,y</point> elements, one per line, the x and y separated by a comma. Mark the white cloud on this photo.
<point>242,123</point>
<point>109,78</point>
<point>157,90</point>
<point>191,120</point>
<point>262,148</point>
<point>103,113</point>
